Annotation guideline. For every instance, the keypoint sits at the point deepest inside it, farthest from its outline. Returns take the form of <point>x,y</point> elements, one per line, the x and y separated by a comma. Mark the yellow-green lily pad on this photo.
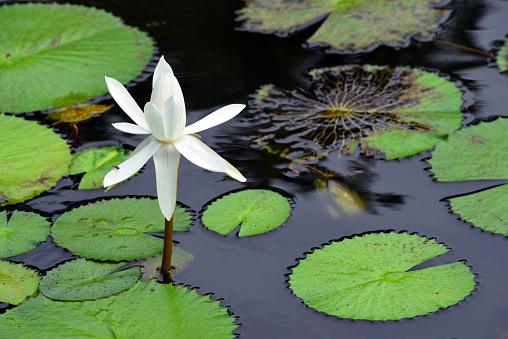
<point>17,283</point>
<point>502,58</point>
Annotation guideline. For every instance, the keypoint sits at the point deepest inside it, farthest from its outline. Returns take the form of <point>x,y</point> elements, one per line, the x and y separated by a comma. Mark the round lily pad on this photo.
<point>32,158</point>
<point>394,111</point>
<point>56,53</point>
<point>76,113</point>
<point>502,58</point>
<point>147,310</point>
<point>22,233</point>
<point>17,283</point>
<point>258,211</point>
<point>477,153</point>
<point>367,277</point>
<point>350,25</point>
<point>115,229</point>
<point>96,163</point>
<point>82,279</point>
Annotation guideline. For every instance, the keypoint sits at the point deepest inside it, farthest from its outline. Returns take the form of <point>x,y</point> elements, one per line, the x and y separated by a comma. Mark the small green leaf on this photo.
<point>486,209</point>
<point>502,58</point>
<point>473,153</point>
<point>151,265</point>
<point>367,277</point>
<point>147,310</point>
<point>398,112</point>
<point>22,233</point>
<point>76,113</point>
<point>258,211</point>
<point>82,279</point>
<point>17,283</point>
<point>54,55</point>
<point>32,158</point>
<point>115,229</point>
<point>350,24</point>
<point>96,163</point>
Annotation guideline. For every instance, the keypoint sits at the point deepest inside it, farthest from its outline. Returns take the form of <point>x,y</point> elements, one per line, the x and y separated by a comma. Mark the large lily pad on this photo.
<point>502,58</point>
<point>51,52</point>
<point>96,163</point>
<point>258,211</point>
<point>22,233</point>
<point>17,283</point>
<point>148,310</point>
<point>397,112</point>
<point>82,279</point>
<point>32,159</point>
<point>367,277</point>
<point>350,25</point>
<point>477,153</point>
<point>115,229</point>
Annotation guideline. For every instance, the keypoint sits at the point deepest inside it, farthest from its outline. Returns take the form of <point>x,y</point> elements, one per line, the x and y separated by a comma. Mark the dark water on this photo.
<point>217,65</point>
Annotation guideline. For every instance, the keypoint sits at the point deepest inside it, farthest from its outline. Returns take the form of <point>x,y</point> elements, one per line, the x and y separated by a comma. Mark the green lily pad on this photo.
<point>258,211</point>
<point>17,283</point>
<point>32,158</point>
<point>398,112</point>
<point>76,113</point>
<point>54,53</point>
<point>477,153</point>
<point>151,266</point>
<point>367,277</point>
<point>96,163</point>
<point>115,229</point>
<point>82,279</point>
<point>22,233</point>
<point>147,310</point>
<point>350,25</point>
<point>502,58</point>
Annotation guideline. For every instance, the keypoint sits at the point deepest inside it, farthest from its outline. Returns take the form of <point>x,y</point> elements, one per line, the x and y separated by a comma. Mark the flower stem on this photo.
<point>165,276</point>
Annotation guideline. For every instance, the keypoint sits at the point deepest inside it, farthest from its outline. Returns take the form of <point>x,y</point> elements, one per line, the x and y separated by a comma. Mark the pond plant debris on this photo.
<point>164,120</point>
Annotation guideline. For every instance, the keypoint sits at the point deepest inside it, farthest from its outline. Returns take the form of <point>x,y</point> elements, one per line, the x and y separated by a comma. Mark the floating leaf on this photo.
<point>76,113</point>
<point>54,54</point>
<point>350,25</point>
<point>82,279</point>
<point>398,112</point>
<point>147,310</point>
<point>367,277</point>
<point>502,58</point>
<point>151,266</point>
<point>32,158</point>
<point>258,211</point>
<point>22,233</point>
<point>17,283</point>
<point>115,229</point>
<point>96,163</point>
<point>474,154</point>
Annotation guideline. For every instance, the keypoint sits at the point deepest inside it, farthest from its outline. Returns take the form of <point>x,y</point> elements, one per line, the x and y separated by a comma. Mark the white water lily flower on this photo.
<point>164,119</point>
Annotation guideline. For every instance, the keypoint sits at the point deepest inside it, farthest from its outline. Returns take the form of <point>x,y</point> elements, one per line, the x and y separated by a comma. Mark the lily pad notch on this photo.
<point>372,277</point>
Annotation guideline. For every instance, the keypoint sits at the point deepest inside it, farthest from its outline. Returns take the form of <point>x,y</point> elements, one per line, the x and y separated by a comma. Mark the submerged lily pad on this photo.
<point>502,58</point>
<point>477,153</point>
<point>151,266</point>
<point>76,113</point>
<point>398,112</point>
<point>54,52</point>
<point>17,283</point>
<point>115,229</point>
<point>350,25</point>
<point>258,211</point>
<point>147,310</point>
<point>367,277</point>
<point>82,279</point>
<point>22,233</point>
<point>96,163</point>
<point>32,159</point>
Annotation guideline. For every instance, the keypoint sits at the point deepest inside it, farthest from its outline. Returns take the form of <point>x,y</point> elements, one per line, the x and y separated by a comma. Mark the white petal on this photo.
<point>130,128</point>
<point>161,91</point>
<point>173,116</point>
<point>126,102</point>
<point>166,161</point>
<point>162,68</point>
<point>154,121</point>
<point>137,159</point>
<point>234,173</point>
<point>200,154</point>
<point>215,118</point>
